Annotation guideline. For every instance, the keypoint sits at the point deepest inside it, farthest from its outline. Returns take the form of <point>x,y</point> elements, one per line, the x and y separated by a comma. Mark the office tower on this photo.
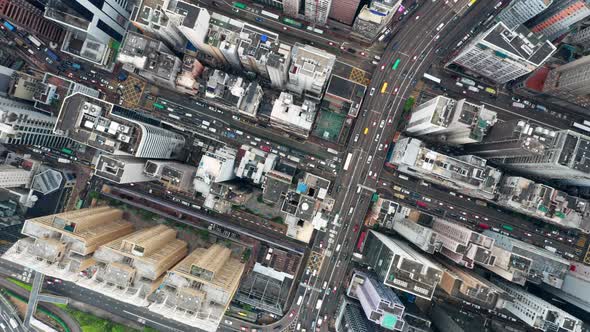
<point>24,14</point>
<point>291,7</point>
<point>520,11</point>
<point>373,18</point>
<point>570,81</point>
<point>21,124</point>
<point>150,59</point>
<point>94,28</point>
<point>131,267</point>
<point>463,245</point>
<point>277,66</point>
<point>12,177</point>
<point>175,175</point>
<point>108,128</point>
<point>121,169</point>
<point>380,304</point>
<point>557,19</point>
<point>344,11</point>
<point>468,174</point>
<point>61,245</point>
<point>52,90</point>
<point>292,118</point>
<point>218,39</point>
<point>198,290</point>
<point>350,318</point>
<point>538,265</point>
<point>253,163</point>
<point>502,55</point>
<point>400,266</point>
<point>536,312</point>
<point>310,71</point>
<point>317,11</point>
<point>580,37</point>
<point>452,121</point>
<point>161,19</point>
<point>576,286</point>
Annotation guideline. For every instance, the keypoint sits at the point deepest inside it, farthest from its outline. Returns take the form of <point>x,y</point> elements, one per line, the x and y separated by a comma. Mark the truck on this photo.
<point>51,55</point>
<point>472,89</point>
<point>318,305</point>
<point>519,105</point>
<point>467,81</point>
<point>63,160</point>
<point>553,250</point>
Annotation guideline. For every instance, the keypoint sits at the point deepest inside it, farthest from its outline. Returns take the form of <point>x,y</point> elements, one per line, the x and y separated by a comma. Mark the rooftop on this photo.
<point>301,116</point>
<point>51,92</point>
<point>147,54</point>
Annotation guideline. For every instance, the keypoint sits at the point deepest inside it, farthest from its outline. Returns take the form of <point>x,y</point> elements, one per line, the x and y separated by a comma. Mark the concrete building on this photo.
<point>344,96</point>
<point>350,318</point>
<point>106,127</point>
<point>174,175</point>
<point>400,266</point>
<point>214,167</point>
<point>576,286</point>
<point>277,66</point>
<point>468,174</point>
<point>310,71</point>
<point>542,201</point>
<point>344,11</point>
<point>12,177</point>
<point>236,92</point>
<point>62,245</point>
<point>253,163</point>
<point>536,312</point>
<point>51,91</point>
<point>423,237</point>
<point>581,37</point>
<point>21,124</point>
<point>291,7</point>
<point>221,38</point>
<point>502,54</point>
<point>373,18</point>
<point>537,151</point>
<point>317,11</point>
<point>23,86</point>
<point>92,27</point>
<point>131,267</point>
<point>462,245</point>
<point>538,265</point>
<point>557,19</point>
<point>121,169</point>
<point>293,119</point>
<point>455,122</point>
<point>24,14</point>
<point>255,47</point>
<point>150,59</point>
<point>198,290</point>
<point>466,285</point>
<point>520,11</point>
<point>380,304</point>
<point>570,82</point>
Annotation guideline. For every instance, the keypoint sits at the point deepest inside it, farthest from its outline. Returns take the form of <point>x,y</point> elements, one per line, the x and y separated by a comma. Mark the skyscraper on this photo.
<point>570,81</point>
<point>291,7</point>
<point>30,17</point>
<point>317,11</point>
<point>557,19</point>
<point>344,10</point>
<point>502,55</point>
<point>520,11</point>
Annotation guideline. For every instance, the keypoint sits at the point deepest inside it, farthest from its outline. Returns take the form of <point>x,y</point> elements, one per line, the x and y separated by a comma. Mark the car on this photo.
<point>292,313</point>
<point>436,37</point>
<point>383,67</point>
<point>363,53</point>
<point>395,90</point>
<point>374,123</point>
<point>377,138</point>
<point>372,92</point>
<point>382,124</point>
<point>417,17</point>
<point>356,138</point>
<point>284,28</point>
<point>259,19</point>
<point>527,234</point>
<point>228,322</point>
<point>516,99</point>
<point>369,159</point>
<point>415,58</point>
<point>380,147</point>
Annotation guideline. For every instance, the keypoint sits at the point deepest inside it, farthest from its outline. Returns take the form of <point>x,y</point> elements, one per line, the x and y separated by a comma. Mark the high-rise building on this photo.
<point>557,19</point>
<point>536,312</point>
<point>350,318</point>
<point>380,304</point>
<point>292,118</point>
<point>253,163</point>
<point>24,14</point>
<point>255,47</point>
<point>161,19</point>
<point>373,18</point>
<point>150,59</point>
<point>455,122</point>
<point>502,55</point>
<point>277,66</point>
<point>291,7</point>
<point>214,167</point>
<point>172,174</point>
<point>279,4</point>
<point>21,124</point>
<point>576,286</point>
<point>108,128</point>
<point>61,245</point>
<point>463,245</point>
<point>344,11</point>
<point>570,81</point>
<point>11,176</point>
<point>317,11</point>
<point>93,27</point>
<point>581,37</point>
<point>121,169</point>
<point>52,90</point>
<point>538,265</point>
<point>198,290</point>
<point>519,11</point>
<point>400,266</point>
<point>468,174</point>
<point>310,71</point>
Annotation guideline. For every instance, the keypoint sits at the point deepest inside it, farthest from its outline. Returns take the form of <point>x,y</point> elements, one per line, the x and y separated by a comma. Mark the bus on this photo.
<point>361,242</point>
<point>269,14</point>
<point>384,87</point>
<point>34,41</point>
<point>582,127</point>
<point>396,64</point>
<point>67,151</point>
<point>471,3</point>
<point>239,5</point>
<point>159,106</point>
<point>432,78</point>
<point>293,23</point>
<point>9,26</point>
<point>507,227</point>
<point>332,151</point>
<point>347,162</point>
<point>316,30</point>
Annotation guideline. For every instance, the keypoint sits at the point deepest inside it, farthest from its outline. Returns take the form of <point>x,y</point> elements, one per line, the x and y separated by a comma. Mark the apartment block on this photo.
<point>121,169</point>
<point>174,175</point>
<point>580,37</point>
<point>536,312</point>
<point>502,54</point>
<point>350,317</point>
<point>400,266</point>
<point>197,291</point>
<point>255,47</point>
<point>557,19</point>
<point>291,7</point>
<point>310,70</point>
<point>150,59</point>
<point>234,91</point>
<point>468,174</point>
<point>51,91</point>
<point>317,11</point>
<point>380,304</point>
<point>12,177</point>
<point>131,267</point>
<point>61,245</point>
<point>520,11</point>
<point>108,128</point>
<point>576,286</point>
<point>570,81</point>
<point>215,167</point>
<point>373,18</point>
<point>222,39</point>
<point>24,14</point>
<point>538,265</point>
<point>292,118</point>
<point>452,121</point>
<point>253,163</point>
<point>545,202</point>
<point>344,11</point>
<point>463,245</point>
<point>277,66</point>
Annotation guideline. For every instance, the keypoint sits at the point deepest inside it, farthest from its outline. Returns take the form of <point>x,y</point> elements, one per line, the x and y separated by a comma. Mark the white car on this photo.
<point>382,124</point>
<point>372,92</point>
<point>228,322</point>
